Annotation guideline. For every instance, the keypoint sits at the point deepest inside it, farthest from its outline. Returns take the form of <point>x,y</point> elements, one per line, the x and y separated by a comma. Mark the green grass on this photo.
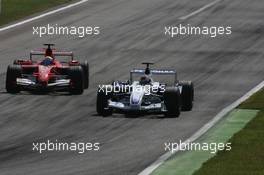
<point>220,133</point>
<point>254,102</point>
<point>16,9</point>
<point>247,154</point>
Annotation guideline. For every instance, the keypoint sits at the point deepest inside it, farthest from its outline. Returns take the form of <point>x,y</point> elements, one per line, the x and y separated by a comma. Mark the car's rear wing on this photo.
<point>154,72</point>
<point>55,53</point>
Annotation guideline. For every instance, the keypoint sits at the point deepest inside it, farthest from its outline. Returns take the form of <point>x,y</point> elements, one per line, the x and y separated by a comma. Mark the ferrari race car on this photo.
<point>146,96</point>
<point>48,74</point>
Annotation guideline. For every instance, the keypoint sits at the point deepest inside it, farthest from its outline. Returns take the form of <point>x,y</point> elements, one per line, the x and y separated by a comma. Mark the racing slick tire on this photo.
<point>16,62</point>
<point>172,102</point>
<point>102,103</point>
<point>13,72</point>
<point>187,95</point>
<point>76,77</point>
<point>85,67</point>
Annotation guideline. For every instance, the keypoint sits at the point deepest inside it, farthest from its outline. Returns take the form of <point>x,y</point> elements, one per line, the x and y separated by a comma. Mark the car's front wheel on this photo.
<point>172,102</point>
<point>102,103</point>
<point>13,72</point>
<point>187,95</point>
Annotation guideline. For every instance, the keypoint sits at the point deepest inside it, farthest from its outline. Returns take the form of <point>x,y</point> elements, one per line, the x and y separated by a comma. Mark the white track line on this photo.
<point>42,15</point>
<point>200,10</point>
<point>203,130</point>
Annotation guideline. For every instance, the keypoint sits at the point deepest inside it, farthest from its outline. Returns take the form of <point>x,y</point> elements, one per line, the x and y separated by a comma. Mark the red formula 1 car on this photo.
<point>48,74</point>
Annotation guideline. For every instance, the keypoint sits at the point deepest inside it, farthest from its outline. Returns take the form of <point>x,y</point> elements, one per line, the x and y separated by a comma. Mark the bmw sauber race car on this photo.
<point>146,96</point>
<point>48,73</point>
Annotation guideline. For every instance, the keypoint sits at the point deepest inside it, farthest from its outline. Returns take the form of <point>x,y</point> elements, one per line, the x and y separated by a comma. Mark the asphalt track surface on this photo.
<point>222,69</point>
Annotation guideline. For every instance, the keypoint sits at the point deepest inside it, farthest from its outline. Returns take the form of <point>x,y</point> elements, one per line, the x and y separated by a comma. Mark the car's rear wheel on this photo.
<point>187,95</point>
<point>85,67</point>
<point>13,72</point>
<point>172,102</point>
<point>102,103</point>
<point>76,77</point>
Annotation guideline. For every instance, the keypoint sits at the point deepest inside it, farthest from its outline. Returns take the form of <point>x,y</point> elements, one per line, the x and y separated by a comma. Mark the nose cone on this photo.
<point>136,98</point>
<point>44,72</point>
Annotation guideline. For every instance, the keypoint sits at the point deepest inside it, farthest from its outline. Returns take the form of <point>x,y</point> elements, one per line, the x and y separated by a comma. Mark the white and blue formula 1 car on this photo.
<point>146,96</point>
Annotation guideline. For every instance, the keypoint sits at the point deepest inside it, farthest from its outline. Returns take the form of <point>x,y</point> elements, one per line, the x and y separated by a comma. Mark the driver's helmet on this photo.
<point>145,80</point>
<point>47,61</point>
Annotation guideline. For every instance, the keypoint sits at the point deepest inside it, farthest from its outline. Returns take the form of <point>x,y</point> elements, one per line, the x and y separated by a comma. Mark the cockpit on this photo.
<point>47,61</point>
